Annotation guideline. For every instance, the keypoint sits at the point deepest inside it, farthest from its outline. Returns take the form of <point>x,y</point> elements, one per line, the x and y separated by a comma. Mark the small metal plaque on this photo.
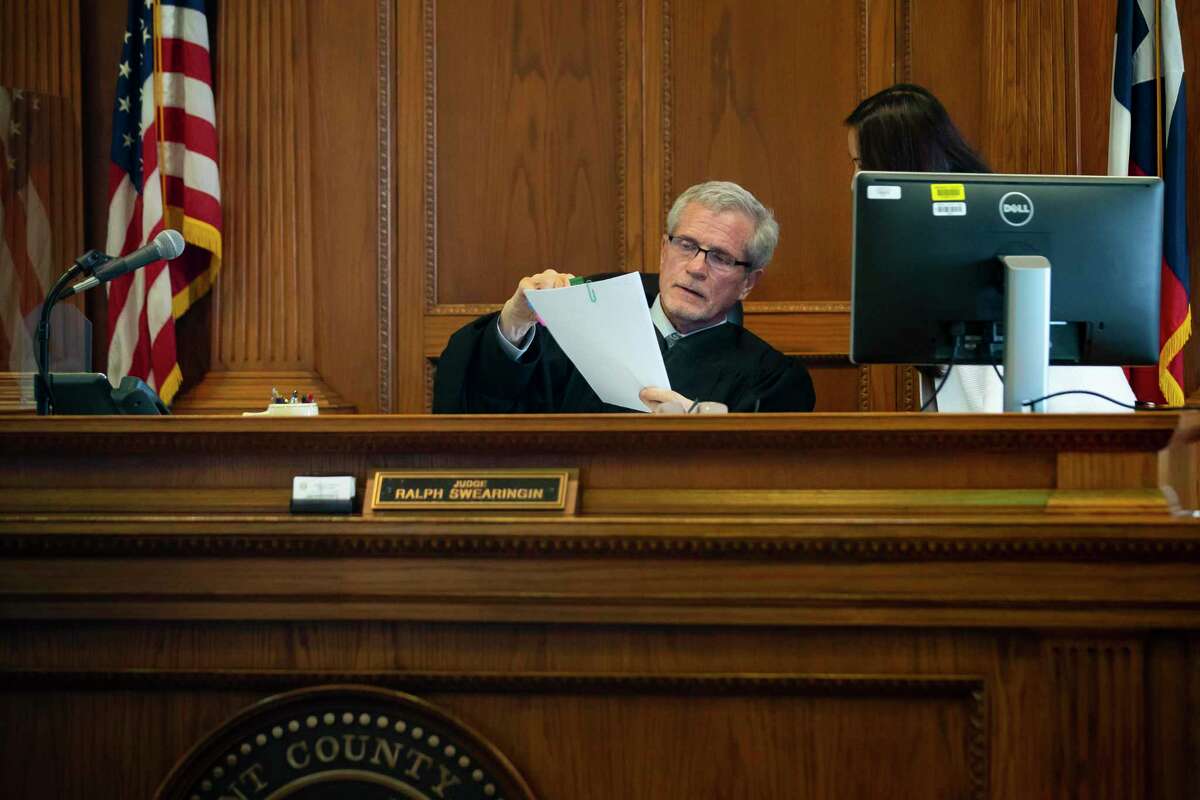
<point>435,490</point>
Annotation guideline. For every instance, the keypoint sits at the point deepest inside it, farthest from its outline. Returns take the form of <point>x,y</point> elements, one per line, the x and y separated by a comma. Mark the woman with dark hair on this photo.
<point>904,128</point>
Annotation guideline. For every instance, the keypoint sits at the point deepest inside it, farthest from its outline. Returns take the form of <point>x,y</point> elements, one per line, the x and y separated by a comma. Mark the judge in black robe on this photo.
<point>726,363</point>
<point>719,239</point>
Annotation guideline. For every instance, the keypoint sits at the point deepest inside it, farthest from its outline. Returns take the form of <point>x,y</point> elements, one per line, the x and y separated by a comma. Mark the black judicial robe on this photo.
<point>726,363</point>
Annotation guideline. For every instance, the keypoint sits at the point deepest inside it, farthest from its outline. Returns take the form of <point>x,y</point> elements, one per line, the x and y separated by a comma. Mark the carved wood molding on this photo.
<point>429,109</point>
<point>862,40</point>
<point>383,195</point>
<point>908,388</point>
<point>667,100</point>
<point>969,687</point>
<point>34,537</point>
<point>469,309</point>
<point>904,50</point>
<point>583,434</point>
<point>786,307</point>
<point>864,388</point>
<point>430,370</point>
<point>622,132</point>
<point>802,306</point>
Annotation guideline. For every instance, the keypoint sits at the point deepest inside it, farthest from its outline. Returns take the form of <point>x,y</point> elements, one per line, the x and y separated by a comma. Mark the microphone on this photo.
<point>167,245</point>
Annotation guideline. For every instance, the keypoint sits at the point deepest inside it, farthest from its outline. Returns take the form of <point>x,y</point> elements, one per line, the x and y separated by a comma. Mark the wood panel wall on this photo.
<point>392,167</point>
<point>39,54</point>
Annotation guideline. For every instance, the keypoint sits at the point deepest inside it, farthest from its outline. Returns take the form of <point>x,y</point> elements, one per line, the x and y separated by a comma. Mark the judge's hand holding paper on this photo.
<point>604,327</point>
<point>636,341</point>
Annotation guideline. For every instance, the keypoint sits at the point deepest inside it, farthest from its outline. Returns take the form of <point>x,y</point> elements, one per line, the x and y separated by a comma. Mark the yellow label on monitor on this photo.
<point>944,192</point>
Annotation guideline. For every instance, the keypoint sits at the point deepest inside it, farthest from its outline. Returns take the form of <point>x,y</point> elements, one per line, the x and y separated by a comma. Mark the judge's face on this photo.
<point>693,294</point>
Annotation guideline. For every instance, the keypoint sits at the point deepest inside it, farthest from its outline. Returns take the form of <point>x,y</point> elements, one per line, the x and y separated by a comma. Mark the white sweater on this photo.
<point>975,388</point>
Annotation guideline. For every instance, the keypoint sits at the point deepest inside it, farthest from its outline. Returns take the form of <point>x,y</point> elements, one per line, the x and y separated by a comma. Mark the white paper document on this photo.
<point>605,329</point>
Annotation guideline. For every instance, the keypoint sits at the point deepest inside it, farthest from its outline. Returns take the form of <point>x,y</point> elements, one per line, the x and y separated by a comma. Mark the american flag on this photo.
<point>26,268</point>
<point>163,174</point>
<point>1135,133</point>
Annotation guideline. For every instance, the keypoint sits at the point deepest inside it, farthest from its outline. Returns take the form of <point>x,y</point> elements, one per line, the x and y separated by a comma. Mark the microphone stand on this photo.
<point>42,392</point>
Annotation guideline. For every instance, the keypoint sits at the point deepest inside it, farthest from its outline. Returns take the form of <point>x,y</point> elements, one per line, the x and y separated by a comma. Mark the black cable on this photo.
<point>1069,391</point>
<point>1080,391</point>
<point>938,388</point>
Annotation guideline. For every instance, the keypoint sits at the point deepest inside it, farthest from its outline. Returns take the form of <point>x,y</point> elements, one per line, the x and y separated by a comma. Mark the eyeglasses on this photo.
<point>717,260</point>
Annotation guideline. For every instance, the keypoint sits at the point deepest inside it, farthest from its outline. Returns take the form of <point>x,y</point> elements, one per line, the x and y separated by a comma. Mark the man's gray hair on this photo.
<point>721,196</point>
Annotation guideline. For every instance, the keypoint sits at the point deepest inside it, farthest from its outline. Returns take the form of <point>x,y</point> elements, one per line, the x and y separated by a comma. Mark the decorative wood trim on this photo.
<point>636,88</point>
<point>814,333</point>
<point>230,536</point>
<point>862,47</point>
<point>667,101</point>
<point>978,754</point>
<point>430,367</point>
<point>620,505</point>
<point>803,307</point>
<point>864,388</point>
<point>908,391</point>
<point>904,59</point>
<point>453,309</point>
<point>383,189</point>
<point>582,434</point>
<point>622,131</point>
<point>1192,673</point>
<point>429,46</point>
<point>970,687</point>
<point>782,307</point>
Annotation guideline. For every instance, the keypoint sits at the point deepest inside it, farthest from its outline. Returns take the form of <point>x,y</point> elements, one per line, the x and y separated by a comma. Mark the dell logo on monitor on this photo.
<point>1016,208</point>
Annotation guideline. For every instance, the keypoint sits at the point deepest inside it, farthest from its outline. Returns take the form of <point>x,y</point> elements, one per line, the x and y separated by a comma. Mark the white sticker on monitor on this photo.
<point>949,209</point>
<point>876,192</point>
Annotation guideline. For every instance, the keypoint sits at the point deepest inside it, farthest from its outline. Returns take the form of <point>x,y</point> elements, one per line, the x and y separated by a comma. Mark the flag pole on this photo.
<point>1158,89</point>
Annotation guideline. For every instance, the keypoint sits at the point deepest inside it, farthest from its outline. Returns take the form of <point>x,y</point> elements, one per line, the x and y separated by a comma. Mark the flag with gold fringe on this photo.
<point>163,175</point>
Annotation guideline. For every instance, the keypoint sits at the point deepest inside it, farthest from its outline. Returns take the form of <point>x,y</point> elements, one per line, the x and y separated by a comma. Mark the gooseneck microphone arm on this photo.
<point>42,390</point>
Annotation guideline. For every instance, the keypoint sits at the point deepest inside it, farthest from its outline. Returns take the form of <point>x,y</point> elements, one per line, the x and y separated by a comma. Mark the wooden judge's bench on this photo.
<point>770,606</point>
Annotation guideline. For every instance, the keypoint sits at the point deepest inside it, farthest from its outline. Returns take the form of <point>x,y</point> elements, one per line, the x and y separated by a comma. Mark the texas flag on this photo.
<point>1134,131</point>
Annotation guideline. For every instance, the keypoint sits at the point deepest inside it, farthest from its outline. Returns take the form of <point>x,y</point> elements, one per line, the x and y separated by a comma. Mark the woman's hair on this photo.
<point>905,129</point>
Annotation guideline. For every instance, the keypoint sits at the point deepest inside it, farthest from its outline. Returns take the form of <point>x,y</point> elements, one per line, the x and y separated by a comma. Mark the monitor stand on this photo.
<point>1026,331</point>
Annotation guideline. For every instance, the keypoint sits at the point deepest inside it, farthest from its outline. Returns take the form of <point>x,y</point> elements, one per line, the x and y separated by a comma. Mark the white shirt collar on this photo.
<point>659,318</point>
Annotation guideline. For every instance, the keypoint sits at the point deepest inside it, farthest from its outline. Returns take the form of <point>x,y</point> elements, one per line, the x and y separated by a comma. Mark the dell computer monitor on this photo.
<point>929,285</point>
